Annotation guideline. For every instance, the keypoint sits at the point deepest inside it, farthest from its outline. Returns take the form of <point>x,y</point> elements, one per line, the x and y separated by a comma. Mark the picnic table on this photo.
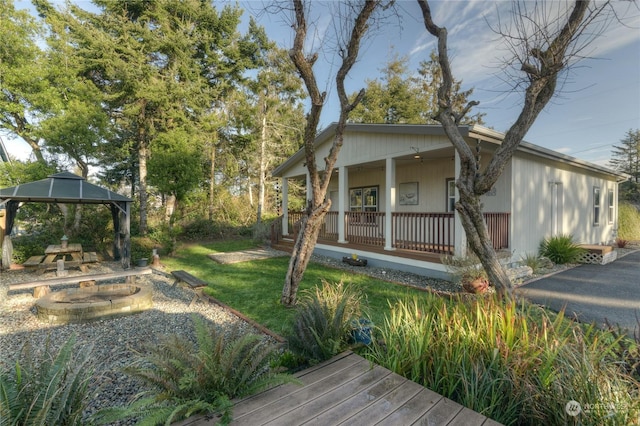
<point>72,254</point>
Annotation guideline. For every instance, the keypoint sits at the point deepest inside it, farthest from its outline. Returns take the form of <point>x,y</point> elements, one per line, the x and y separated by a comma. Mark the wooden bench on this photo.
<point>130,274</point>
<point>33,261</point>
<point>194,283</point>
<point>89,257</point>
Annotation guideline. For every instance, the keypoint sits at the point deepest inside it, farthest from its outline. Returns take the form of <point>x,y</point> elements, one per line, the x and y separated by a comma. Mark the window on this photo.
<point>610,211</point>
<point>596,206</point>
<point>451,195</point>
<point>364,200</point>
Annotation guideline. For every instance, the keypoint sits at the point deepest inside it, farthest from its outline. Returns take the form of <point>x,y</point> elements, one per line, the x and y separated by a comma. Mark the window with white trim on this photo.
<point>451,195</point>
<point>610,210</point>
<point>596,206</point>
<point>364,199</point>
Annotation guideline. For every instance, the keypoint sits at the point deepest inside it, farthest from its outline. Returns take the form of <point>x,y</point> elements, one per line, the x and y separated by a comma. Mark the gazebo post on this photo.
<point>126,258</point>
<point>117,244</point>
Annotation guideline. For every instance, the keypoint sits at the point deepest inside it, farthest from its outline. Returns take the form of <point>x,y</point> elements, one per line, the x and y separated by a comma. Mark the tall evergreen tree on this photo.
<point>161,66</point>
<point>402,98</point>
<point>25,92</point>
<point>626,158</point>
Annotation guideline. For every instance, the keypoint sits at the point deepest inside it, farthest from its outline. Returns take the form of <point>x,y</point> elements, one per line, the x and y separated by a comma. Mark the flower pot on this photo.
<point>143,262</point>
<point>355,262</point>
<point>361,331</point>
<point>477,286</point>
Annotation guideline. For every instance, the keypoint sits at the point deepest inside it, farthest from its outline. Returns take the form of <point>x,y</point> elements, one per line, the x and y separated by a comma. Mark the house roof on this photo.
<point>475,131</point>
<point>61,187</point>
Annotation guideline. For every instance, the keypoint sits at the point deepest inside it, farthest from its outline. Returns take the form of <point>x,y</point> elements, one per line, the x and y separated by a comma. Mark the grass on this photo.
<point>254,288</point>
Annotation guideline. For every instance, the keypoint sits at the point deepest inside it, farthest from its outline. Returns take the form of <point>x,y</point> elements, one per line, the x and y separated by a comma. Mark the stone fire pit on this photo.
<point>77,305</point>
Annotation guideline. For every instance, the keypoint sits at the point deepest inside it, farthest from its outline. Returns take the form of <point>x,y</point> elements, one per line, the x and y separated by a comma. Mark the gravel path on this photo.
<point>114,341</point>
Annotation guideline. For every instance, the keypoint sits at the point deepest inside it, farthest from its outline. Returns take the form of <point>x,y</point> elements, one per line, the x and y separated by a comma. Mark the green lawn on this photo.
<point>254,288</point>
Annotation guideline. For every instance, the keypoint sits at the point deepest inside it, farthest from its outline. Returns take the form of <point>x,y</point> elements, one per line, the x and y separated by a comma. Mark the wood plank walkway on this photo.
<point>349,390</point>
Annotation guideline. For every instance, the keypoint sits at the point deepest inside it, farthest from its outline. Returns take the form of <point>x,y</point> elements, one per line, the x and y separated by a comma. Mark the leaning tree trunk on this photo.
<point>469,210</point>
<point>310,225</point>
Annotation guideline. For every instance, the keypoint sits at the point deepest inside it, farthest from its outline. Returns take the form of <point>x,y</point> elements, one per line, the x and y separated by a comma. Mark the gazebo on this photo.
<point>68,188</point>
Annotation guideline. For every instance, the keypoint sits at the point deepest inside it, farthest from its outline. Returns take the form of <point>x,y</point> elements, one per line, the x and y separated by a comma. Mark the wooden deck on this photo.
<point>348,389</point>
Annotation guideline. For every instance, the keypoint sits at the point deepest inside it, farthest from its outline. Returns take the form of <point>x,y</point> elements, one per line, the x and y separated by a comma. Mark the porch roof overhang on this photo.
<point>400,129</point>
<point>475,132</point>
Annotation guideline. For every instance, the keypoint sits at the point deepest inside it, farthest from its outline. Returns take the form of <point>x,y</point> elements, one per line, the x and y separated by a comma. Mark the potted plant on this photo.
<point>468,272</point>
<point>354,260</point>
<point>475,280</point>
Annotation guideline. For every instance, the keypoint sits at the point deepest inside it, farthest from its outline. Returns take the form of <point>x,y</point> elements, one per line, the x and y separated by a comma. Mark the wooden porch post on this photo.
<point>460,237</point>
<point>309,189</point>
<point>285,206</point>
<point>390,202</point>
<point>343,196</point>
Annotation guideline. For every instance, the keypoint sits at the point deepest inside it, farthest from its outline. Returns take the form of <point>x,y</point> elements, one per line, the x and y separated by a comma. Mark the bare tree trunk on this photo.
<point>170,205</point>
<point>212,180</point>
<point>143,155</point>
<point>84,170</point>
<point>542,57</point>
<point>263,167</point>
<point>142,172</point>
<point>310,225</point>
<point>318,205</point>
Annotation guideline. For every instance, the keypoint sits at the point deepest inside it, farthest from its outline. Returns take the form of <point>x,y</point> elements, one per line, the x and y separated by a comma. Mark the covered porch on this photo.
<point>393,192</point>
<point>421,236</point>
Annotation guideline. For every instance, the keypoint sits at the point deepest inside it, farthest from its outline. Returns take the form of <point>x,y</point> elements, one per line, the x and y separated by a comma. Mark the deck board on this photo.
<point>348,390</point>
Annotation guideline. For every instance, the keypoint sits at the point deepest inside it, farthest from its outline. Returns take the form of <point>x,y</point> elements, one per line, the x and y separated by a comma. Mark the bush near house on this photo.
<point>560,249</point>
<point>628,222</point>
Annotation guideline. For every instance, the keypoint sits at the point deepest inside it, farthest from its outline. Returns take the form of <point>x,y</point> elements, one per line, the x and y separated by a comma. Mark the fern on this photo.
<point>190,378</point>
<point>47,390</point>
<point>322,324</point>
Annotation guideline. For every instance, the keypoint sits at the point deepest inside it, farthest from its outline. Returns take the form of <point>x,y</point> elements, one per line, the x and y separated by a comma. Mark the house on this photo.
<point>393,195</point>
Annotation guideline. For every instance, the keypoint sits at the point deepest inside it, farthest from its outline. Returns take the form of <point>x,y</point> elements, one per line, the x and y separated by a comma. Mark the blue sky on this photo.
<point>597,105</point>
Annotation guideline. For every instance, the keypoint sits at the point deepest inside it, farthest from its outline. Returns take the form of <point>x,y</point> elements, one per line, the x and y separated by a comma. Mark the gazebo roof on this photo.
<point>61,187</point>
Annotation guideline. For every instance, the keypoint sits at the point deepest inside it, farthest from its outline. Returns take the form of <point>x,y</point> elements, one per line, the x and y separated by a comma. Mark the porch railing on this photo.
<point>422,232</point>
<point>498,228</point>
<point>364,228</point>
<point>426,232</point>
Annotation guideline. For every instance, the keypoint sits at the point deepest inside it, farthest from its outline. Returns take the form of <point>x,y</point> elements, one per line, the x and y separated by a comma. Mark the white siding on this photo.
<point>361,148</point>
<point>532,203</point>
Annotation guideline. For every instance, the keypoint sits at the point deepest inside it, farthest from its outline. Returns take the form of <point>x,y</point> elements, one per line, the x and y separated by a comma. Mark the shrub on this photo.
<point>509,361</point>
<point>628,222</point>
<point>536,262</point>
<point>189,378</point>
<point>621,243</point>
<point>560,249</point>
<point>46,390</point>
<point>322,323</point>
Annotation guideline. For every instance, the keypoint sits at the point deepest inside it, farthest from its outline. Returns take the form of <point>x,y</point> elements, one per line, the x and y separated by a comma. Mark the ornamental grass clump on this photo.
<point>560,249</point>
<point>323,321</point>
<point>51,389</point>
<point>510,361</point>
